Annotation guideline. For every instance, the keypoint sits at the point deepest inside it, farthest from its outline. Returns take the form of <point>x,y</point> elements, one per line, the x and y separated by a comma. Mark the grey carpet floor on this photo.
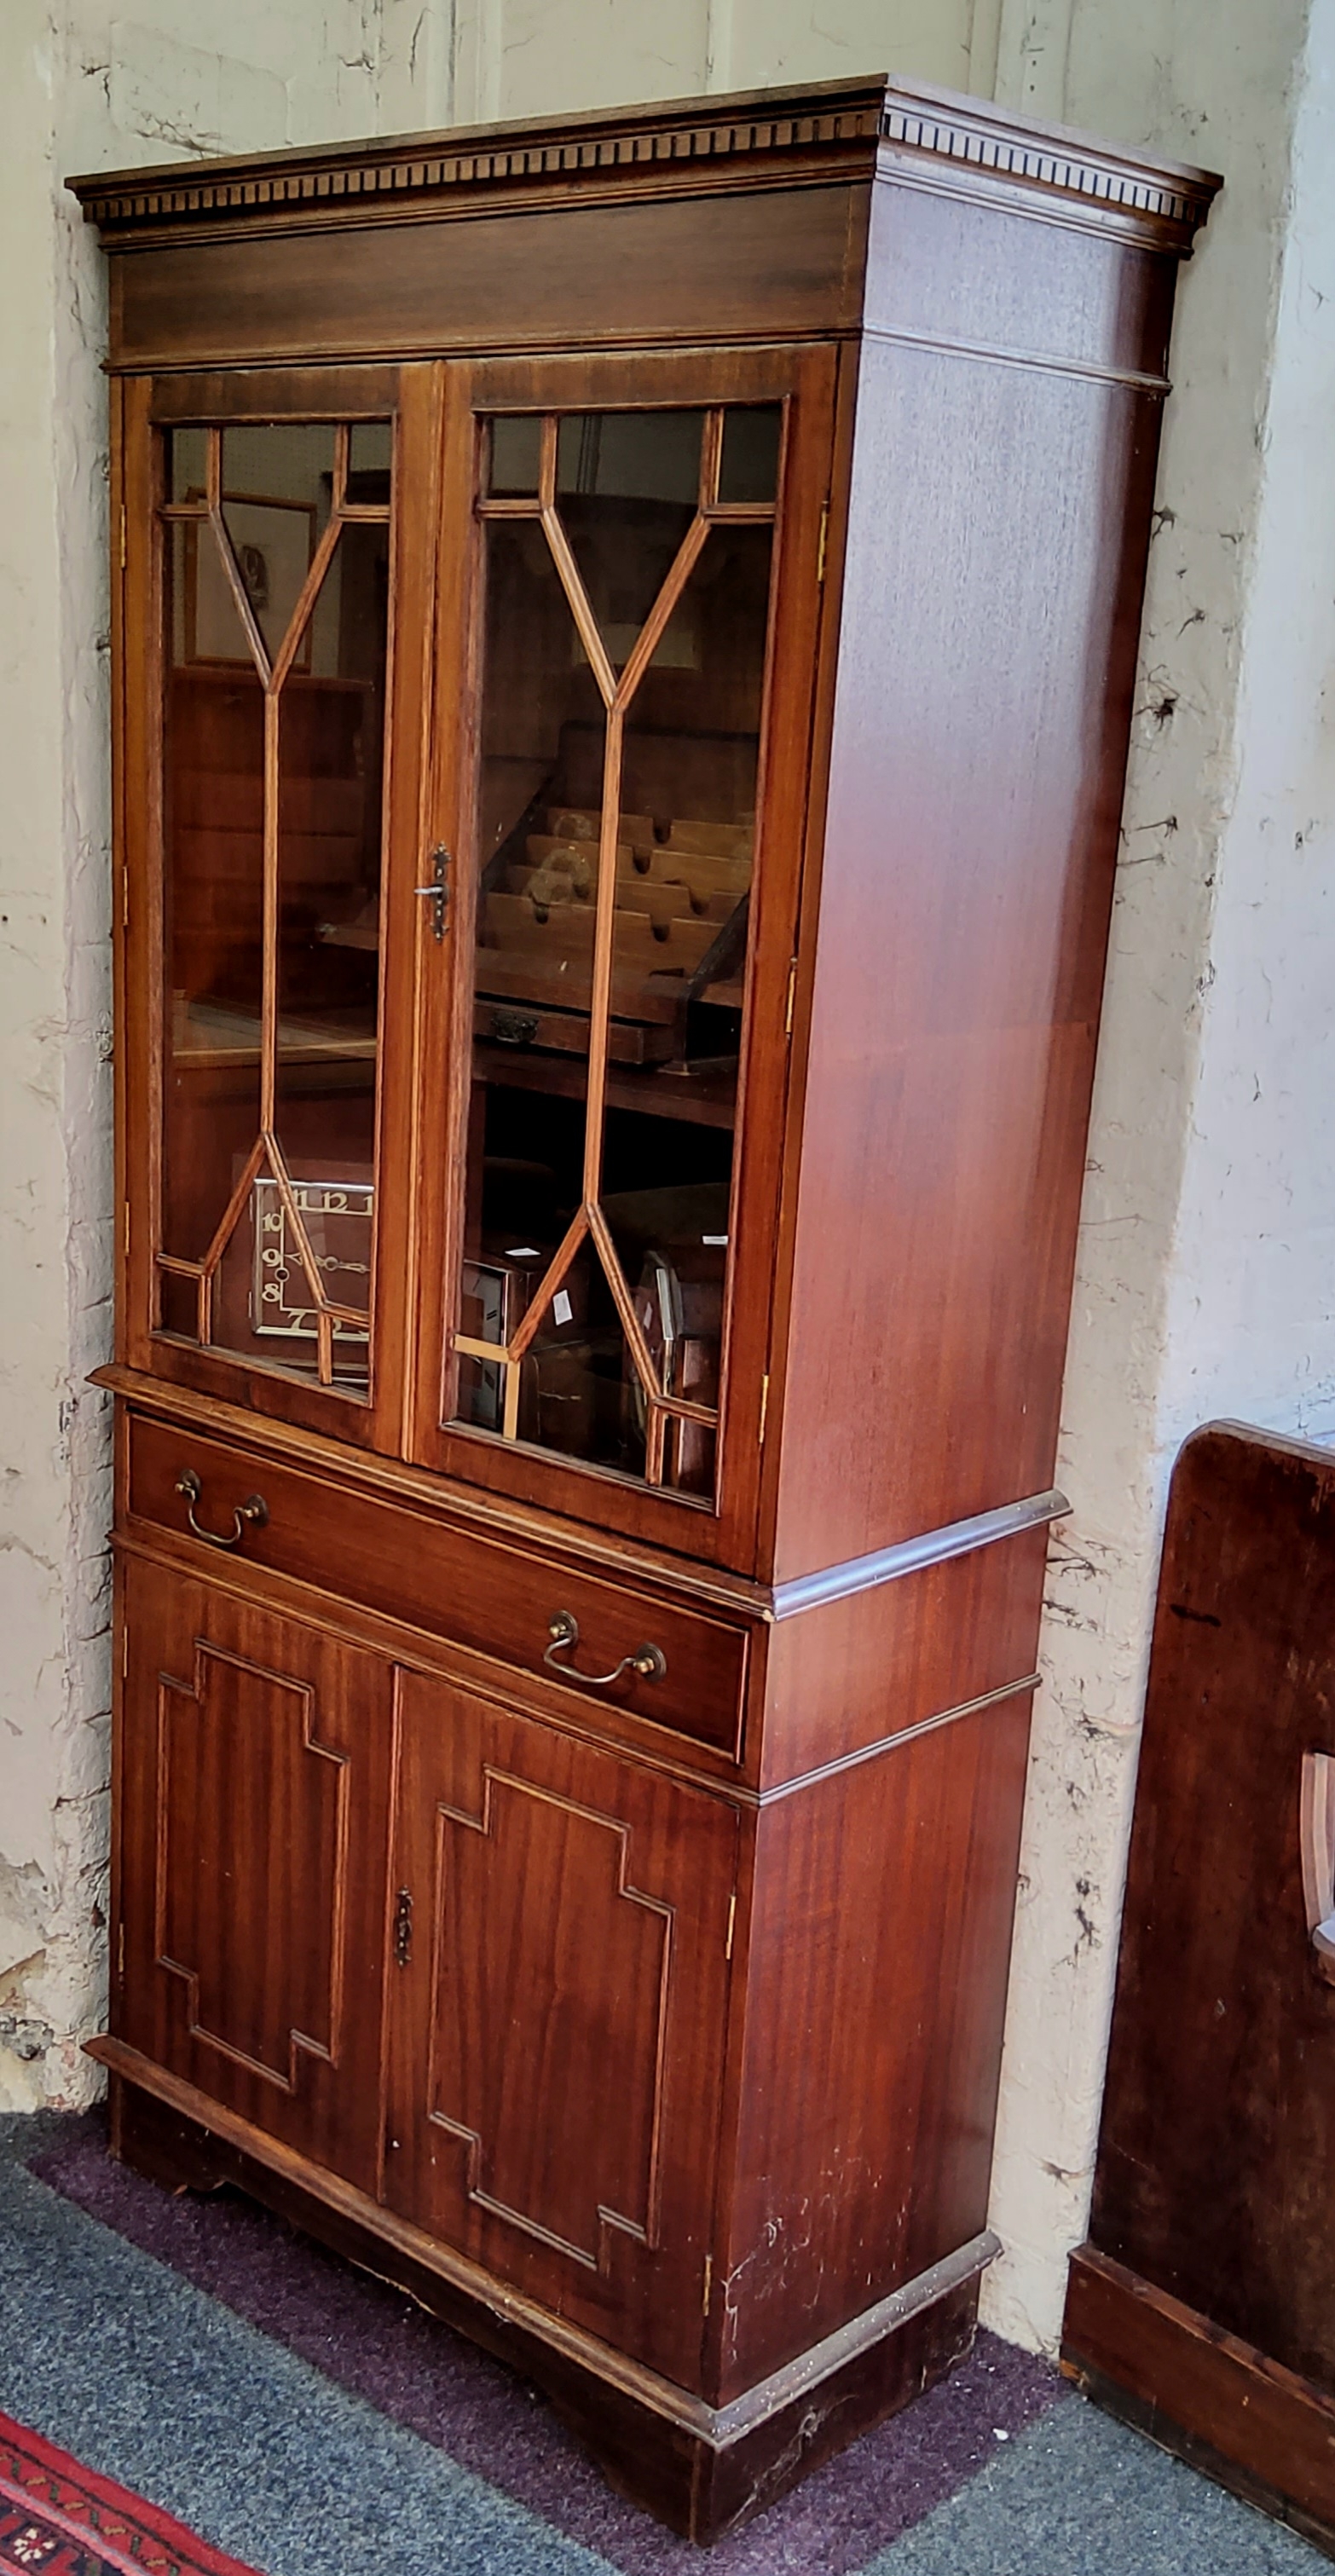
<point>142,2376</point>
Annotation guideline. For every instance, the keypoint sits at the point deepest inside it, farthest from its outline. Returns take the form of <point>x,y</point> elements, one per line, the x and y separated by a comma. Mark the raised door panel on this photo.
<point>558,2017</point>
<point>255,1762</point>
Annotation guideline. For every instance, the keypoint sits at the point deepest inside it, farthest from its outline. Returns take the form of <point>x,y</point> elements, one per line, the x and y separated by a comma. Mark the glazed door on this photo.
<point>254,1759</point>
<point>608,929</point>
<point>276,613</point>
<point>557,2017</point>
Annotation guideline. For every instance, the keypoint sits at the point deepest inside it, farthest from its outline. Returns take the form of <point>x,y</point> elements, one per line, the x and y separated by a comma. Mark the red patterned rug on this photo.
<point>58,2519</point>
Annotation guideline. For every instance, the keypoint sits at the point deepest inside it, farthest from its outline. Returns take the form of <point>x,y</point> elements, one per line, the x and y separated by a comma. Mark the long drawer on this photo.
<point>475,1591</point>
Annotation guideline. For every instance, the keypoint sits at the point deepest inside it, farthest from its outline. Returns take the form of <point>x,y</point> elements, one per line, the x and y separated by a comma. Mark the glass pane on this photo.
<point>630,455</point>
<point>331,725</point>
<point>270,1125</point>
<point>514,447</point>
<point>679,956</point>
<point>186,464</point>
<point>213,830</point>
<point>626,487</point>
<point>179,1306</point>
<point>615,1246</point>
<point>750,467</point>
<point>277,487</point>
<point>543,737</point>
<point>264,1301</point>
<point>579,1391</point>
<point>370,454</point>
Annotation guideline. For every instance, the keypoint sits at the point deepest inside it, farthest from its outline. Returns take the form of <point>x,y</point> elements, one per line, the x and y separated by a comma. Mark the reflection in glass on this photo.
<point>277,618</point>
<point>186,463</point>
<point>330,751</point>
<point>370,451</point>
<point>514,441</point>
<point>624,655</point>
<point>213,828</point>
<point>750,466</point>
<point>277,482</point>
<point>539,874</point>
<point>626,486</point>
<point>630,455</point>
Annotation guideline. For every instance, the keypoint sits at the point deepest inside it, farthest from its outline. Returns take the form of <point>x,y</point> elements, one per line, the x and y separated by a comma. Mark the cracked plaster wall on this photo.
<point>82,85</point>
<point>1206,1239</point>
<point>1205,1279</point>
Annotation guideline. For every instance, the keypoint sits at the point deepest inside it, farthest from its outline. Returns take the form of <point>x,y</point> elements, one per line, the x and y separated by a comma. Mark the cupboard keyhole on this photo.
<point>403,1929</point>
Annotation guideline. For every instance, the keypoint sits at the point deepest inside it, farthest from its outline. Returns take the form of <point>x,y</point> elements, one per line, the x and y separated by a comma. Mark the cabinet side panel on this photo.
<point>995,553</point>
<point>956,270</point>
<point>879,1948</point>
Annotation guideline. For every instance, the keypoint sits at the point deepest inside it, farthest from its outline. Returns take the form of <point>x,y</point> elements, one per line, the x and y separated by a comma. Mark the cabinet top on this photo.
<point>847,128</point>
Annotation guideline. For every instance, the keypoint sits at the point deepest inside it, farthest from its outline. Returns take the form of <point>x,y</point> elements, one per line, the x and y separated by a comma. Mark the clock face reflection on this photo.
<point>337,1219</point>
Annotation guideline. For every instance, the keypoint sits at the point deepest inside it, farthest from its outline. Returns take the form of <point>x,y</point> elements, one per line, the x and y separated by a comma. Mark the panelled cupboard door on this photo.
<point>277,609</point>
<point>255,1766</point>
<point>557,2017</point>
<point>630,592</point>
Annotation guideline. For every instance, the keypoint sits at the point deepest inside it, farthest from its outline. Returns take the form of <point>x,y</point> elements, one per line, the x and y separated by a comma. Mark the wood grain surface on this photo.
<point>971,831</point>
<point>1218,2132</point>
<point>878,1952</point>
<point>559,2028</point>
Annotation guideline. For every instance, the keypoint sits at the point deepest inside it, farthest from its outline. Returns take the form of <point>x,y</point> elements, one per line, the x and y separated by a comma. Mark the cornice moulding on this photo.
<point>848,125</point>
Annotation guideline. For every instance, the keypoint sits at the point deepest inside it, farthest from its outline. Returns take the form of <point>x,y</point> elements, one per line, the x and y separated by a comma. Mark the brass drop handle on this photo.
<point>253,1513</point>
<point>649,1662</point>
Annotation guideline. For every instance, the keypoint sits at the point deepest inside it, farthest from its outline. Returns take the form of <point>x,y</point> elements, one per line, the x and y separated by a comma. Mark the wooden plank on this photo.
<point>1217,2144</point>
<point>758,266</point>
<point>1195,2383</point>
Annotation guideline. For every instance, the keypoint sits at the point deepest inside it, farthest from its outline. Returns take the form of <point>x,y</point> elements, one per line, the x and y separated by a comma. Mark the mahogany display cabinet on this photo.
<point>624,637</point>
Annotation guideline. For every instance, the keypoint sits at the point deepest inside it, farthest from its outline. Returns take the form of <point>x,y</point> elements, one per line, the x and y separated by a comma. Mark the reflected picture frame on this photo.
<point>274,543</point>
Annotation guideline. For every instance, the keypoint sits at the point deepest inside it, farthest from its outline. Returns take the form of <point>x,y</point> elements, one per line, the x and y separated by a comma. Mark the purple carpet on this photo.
<point>377,2345</point>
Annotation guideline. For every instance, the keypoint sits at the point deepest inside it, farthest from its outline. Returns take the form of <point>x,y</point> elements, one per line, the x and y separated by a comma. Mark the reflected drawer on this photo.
<point>469,1589</point>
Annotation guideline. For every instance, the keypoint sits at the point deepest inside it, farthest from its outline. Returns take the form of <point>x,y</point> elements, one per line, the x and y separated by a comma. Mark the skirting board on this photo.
<point>1217,2402</point>
<point>703,2470</point>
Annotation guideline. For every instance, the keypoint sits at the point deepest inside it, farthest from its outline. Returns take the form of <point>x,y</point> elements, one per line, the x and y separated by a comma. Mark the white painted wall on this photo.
<point>83,84</point>
<point>540,57</point>
<point>1210,1215</point>
<point>1205,1281</point>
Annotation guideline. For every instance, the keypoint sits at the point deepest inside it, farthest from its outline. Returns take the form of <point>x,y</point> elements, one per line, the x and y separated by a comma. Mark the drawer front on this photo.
<point>470,1590</point>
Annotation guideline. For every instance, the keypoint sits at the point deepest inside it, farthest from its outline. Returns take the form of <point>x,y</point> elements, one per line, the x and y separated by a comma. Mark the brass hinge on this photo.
<point>122,536</point>
<point>125,1654</point>
<point>764,1406</point>
<point>125,1228</point>
<point>732,1920</point>
<point>824,540</point>
<point>403,1929</point>
<point>792,997</point>
<point>120,1952</point>
<point>125,898</point>
<point>709,2280</point>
